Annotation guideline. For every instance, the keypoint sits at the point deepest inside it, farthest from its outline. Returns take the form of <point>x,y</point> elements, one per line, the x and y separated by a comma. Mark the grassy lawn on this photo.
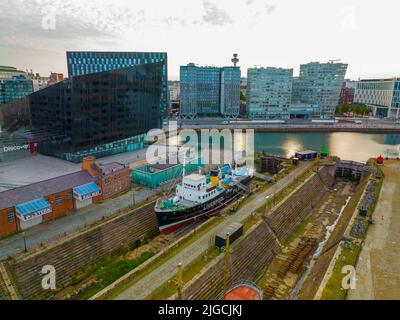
<point>170,287</point>
<point>333,289</point>
<point>165,257</point>
<point>108,270</point>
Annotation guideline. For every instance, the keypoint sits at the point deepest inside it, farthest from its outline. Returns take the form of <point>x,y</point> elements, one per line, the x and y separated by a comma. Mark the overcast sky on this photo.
<point>34,34</point>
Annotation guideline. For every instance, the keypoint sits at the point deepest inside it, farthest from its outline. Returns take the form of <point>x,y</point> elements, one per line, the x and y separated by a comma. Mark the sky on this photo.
<point>35,34</point>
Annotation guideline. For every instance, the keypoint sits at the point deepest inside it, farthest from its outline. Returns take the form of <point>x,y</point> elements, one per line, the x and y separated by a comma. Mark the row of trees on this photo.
<point>357,109</point>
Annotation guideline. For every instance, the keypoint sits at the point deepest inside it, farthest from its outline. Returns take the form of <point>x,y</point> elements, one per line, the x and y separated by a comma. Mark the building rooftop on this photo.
<point>110,167</point>
<point>306,152</point>
<point>9,69</point>
<point>13,197</point>
<point>194,177</point>
<point>381,80</point>
<point>161,166</point>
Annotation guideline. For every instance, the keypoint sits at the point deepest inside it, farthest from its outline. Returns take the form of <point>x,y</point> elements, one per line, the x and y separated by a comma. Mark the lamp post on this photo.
<point>24,237</point>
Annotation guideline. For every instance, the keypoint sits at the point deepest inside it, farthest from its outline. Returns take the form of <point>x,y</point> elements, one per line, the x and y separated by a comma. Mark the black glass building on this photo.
<point>90,62</point>
<point>99,114</point>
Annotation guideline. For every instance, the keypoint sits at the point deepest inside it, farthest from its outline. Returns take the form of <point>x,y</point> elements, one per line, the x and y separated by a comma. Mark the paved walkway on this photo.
<point>152,281</point>
<point>377,270</point>
<point>56,229</point>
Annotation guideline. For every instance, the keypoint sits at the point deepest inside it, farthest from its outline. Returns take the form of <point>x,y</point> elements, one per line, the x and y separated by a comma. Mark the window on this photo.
<point>69,196</point>
<point>58,200</point>
<point>10,216</point>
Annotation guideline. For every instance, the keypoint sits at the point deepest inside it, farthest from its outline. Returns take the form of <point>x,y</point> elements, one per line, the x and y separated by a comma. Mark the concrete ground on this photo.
<point>39,167</point>
<point>56,229</point>
<point>378,267</point>
<point>163,273</point>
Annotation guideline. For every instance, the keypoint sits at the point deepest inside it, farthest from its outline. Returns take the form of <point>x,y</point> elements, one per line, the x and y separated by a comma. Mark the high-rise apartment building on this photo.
<point>269,93</point>
<point>85,62</point>
<point>209,91</point>
<point>320,84</point>
<point>383,95</point>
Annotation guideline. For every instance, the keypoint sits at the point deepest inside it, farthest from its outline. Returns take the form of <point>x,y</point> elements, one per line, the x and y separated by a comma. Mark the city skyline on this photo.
<point>353,31</point>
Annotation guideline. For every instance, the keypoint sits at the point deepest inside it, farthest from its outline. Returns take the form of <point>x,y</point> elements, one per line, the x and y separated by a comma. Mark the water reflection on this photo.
<point>346,145</point>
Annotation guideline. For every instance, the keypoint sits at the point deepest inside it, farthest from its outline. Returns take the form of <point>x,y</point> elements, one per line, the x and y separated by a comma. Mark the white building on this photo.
<point>174,90</point>
<point>382,95</point>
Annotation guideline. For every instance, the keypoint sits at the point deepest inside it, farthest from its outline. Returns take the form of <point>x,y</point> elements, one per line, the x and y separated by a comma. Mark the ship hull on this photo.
<point>170,221</point>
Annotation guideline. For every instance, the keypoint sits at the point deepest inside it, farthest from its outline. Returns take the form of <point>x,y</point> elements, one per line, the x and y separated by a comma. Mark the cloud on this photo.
<point>214,15</point>
<point>32,23</point>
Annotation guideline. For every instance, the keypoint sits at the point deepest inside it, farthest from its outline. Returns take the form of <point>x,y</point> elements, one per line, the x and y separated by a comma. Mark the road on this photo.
<point>377,270</point>
<point>52,230</point>
<point>153,280</point>
<point>365,125</point>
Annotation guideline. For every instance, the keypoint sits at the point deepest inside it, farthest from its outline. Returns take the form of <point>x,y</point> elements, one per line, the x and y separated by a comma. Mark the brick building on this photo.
<point>115,177</point>
<point>27,206</point>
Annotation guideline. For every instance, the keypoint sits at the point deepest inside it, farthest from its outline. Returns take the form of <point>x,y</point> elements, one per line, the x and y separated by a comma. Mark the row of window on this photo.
<point>207,195</point>
<point>59,198</point>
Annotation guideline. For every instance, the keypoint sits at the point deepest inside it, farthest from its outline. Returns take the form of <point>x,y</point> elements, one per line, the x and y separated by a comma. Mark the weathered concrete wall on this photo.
<point>69,256</point>
<point>287,217</point>
<point>249,255</point>
<point>259,246</point>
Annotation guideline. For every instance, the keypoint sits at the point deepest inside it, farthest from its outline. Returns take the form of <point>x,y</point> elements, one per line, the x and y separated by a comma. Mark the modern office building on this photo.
<point>269,93</point>
<point>383,95</point>
<point>14,88</point>
<point>7,72</point>
<point>85,62</point>
<point>209,91</point>
<point>99,114</point>
<point>320,84</point>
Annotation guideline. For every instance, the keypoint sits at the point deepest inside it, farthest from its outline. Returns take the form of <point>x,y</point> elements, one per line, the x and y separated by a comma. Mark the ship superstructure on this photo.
<point>202,195</point>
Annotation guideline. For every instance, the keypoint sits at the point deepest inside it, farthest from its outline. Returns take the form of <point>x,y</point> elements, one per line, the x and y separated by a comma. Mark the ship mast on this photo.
<point>183,168</point>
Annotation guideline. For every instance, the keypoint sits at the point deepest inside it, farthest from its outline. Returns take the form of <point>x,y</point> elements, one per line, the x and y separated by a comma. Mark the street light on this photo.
<point>24,237</point>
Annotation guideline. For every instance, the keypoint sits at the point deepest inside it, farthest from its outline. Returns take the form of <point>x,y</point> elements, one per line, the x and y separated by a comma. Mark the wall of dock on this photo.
<point>81,250</point>
<point>254,252</point>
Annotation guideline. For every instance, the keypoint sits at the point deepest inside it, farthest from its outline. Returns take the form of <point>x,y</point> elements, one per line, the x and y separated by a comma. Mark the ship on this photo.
<point>201,196</point>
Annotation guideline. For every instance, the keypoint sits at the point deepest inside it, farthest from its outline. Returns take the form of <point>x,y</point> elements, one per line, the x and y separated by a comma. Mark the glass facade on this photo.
<point>209,91</point>
<point>99,114</point>
<point>382,94</point>
<point>269,93</point>
<point>320,84</point>
<point>15,88</point>
<point>86,62</point>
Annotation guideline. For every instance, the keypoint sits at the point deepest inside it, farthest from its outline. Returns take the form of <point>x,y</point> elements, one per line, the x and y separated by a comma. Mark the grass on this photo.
<point>348,256</point>
<point>166,288</point>
<point>297,232</point>
<point>106,271</point>
<point>164,257</point>
<point>170,287</point>
<point>282,194</point>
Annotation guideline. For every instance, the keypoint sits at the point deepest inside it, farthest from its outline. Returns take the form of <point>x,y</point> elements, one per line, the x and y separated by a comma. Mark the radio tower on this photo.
<point>235,59</point>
